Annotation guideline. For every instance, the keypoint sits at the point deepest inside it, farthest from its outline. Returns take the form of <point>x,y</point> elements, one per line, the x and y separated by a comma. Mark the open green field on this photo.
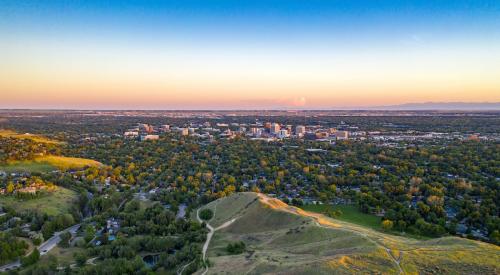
<point>350,213</point>
<point>64,255</point>
<point>54,203</point>
<point>35,138</point>
<point>281,239</point>
<point>47,164</point>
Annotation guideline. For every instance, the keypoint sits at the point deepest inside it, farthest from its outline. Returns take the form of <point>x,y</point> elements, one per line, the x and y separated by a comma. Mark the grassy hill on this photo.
<point>44,163</point>
<point>47,164</point>
<point>282,239</point>
<point>350,213</point>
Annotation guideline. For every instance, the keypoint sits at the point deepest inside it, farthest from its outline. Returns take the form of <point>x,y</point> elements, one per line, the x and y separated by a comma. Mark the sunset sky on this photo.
<point>218,54</point>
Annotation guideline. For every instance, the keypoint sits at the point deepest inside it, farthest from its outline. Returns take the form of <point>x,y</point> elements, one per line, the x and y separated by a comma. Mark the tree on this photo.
<point>206,214</point>
<point>31,258</point>
<point>132,206</point>
<point>37,241</point>
<point>10,188</point>
<point>297,202</point>
<point>65,237</point>
<point>10,247</point>
<point>89,233</point>
<point>80,259</point>
<point>495,237</point>
<point>387,225</point>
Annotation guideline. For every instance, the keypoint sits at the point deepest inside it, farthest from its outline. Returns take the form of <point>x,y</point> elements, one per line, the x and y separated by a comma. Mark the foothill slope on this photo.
<point>283,239</point>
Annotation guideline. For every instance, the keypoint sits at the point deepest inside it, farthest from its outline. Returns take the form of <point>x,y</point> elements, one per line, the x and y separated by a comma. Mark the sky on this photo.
<point>247,54</point>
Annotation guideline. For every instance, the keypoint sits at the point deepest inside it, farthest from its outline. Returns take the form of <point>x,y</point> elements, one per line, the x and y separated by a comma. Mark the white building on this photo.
<point>300,130</point>
<point>275,128</point>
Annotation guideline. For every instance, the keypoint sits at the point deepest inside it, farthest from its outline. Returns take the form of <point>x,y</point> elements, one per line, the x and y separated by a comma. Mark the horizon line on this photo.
<point>412,106</point>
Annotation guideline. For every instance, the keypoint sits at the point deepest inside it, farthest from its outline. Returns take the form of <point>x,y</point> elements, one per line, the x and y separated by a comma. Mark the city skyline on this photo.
<point>247,54</point>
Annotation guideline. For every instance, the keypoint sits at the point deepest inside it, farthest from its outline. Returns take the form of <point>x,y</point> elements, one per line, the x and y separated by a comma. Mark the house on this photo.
<point>26,227</point>
<point>112,226</point>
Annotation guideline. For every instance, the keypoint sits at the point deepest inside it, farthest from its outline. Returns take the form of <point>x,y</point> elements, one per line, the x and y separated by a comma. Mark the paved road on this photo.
<point>44,248</point>
<point>10,266</point>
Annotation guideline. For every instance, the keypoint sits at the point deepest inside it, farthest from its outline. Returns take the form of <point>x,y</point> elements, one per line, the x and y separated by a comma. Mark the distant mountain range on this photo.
<point>462,106</point>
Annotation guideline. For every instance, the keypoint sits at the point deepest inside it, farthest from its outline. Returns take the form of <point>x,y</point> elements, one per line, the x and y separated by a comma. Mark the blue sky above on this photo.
<point>268,22</point>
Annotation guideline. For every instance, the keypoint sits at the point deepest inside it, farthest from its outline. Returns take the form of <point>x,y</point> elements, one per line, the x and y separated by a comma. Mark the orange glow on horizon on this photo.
<point>124,78</point>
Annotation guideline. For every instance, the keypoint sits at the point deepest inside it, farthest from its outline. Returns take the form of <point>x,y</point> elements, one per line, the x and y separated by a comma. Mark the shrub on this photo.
<point>236,248</point>
<point>37,241</point>
<point>387,224</point>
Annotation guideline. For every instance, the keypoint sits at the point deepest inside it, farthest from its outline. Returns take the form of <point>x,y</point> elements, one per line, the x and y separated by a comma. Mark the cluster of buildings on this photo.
<point>273,130</point>
<point>149,132</point>
<point>266,131</point>
<point>142,131</point>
